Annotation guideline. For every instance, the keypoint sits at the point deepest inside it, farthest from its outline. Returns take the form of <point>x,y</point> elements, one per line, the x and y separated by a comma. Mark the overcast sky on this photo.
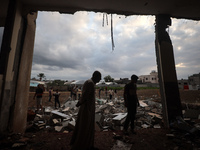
<point>72,47</point>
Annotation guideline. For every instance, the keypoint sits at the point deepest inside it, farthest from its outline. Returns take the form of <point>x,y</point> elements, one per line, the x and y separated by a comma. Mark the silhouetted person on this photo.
<point>50,94</point>
<point>106,91</point>
<point>74,92</point>
<point>131,102</point>
<point>100,89</point>
<point>38,94</point>
<point>110,94</point>
<point>57,95</point>
<point>83,135</point>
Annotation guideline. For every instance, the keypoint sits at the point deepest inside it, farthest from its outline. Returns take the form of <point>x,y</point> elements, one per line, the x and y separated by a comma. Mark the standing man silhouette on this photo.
<point>131,102</point>
<point>83,135</point>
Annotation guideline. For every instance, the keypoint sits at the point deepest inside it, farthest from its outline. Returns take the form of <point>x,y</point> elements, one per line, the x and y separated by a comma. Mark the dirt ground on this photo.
<point>151,139</point>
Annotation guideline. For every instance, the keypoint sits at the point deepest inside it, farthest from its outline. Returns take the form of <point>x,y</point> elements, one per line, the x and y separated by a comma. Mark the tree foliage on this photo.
<point>56,83</point>
<point>41,75</point>
<point>108,78</point>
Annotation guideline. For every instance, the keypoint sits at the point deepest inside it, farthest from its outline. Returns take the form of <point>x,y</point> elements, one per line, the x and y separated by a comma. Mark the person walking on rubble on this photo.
<point>57,95</point>
<point>38,94</point>
<point>131,102</point>
<point>83,134</point>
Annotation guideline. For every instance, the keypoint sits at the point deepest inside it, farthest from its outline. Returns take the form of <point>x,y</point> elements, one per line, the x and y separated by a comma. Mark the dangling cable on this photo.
<point>103,21</point>
<point>113,45</point>
<point>107,19</point>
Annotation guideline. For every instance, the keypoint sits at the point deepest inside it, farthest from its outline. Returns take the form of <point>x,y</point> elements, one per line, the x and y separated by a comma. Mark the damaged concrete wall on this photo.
<point>167,72</point>
<point>22,90</point>
<point>7,57</point>
<point>16,60</point>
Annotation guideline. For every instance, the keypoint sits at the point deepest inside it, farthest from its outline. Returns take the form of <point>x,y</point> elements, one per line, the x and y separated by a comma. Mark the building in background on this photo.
<point>194,79</point>
<point>152,78</point>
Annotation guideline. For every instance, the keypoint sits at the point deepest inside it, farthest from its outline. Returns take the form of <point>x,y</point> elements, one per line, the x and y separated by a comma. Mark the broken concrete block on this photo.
<point>99,118</point>
<point>119,145</point>
<point>71,104</point>
<point>157,126</point>
<point>17,145</point>
<point>145,126</point>
<point>119,118</point>
<point>55,121</point>
<point>72,124</point>
<point>55,112</point>
<point>41,122</point>
<point>66,109</point>
<point>170,135</point>
<point>142,104</point>
<point>48,110</point>
<point>40,116</point>
<point>65,131</point>
<point>155,115</point>
<point>58,128</point>
<point>65,123</point>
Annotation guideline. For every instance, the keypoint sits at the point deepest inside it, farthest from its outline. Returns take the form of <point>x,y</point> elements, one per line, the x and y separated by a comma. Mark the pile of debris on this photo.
<point>110,115</point>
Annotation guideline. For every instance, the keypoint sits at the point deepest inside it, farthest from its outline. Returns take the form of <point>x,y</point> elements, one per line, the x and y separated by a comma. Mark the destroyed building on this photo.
<point>18,19</point>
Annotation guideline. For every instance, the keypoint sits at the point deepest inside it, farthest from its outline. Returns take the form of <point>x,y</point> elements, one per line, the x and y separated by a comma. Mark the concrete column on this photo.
<point>15,68</point>
<point>7,60</point>
<point>166,70</point>
<point>23,82</point>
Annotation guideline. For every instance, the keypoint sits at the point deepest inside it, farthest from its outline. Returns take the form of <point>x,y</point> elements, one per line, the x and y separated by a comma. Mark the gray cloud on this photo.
<point>73,46</point>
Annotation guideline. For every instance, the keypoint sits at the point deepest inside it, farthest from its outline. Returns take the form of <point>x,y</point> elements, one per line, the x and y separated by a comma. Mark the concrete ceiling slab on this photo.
<point>187,9</point>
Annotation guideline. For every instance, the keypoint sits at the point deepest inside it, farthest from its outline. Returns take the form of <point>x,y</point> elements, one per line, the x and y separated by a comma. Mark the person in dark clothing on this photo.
<point>57,94</point>
<point>50,94</point>
<point>83,134</point>
<point>131,102</point>
<point>38,94</point>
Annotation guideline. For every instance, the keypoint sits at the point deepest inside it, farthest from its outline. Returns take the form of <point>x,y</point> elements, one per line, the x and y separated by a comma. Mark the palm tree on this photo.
<point>41,75</point>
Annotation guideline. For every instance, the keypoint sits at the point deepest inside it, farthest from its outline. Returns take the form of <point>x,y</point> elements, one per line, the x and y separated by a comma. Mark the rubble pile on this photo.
<point>110,115</point>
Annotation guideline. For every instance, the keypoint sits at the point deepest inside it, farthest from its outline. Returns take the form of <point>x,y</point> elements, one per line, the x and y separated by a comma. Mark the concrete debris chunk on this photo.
<point>16,145</point>
<point>119,118</point>
<point>120,145</point>
<point>145,126</point>
<point>56,112</point>
<point>157,126</point>
<point>72,124</point>
<point>48,110</point>
<point>66,109</point>
<point>58,128</point>
<point>65,123</point>
<point>142,104</point>
<point>155,115</point>
<point>55,121</point>
<point>38,115</point>
<point>70,104</point>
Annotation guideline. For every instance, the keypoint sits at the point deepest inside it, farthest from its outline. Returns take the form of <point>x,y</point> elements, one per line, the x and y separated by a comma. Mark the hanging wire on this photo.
<point>106,19</point>
<point>103,21</point>
<point>112,39</point>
